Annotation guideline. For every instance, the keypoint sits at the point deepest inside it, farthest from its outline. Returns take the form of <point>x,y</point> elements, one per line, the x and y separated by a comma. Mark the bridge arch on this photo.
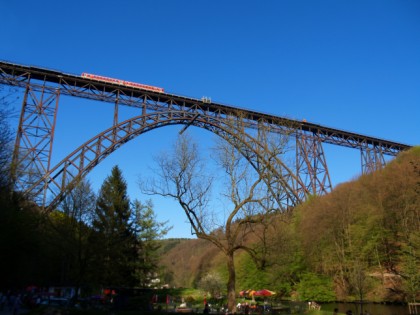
<point>51,188</point>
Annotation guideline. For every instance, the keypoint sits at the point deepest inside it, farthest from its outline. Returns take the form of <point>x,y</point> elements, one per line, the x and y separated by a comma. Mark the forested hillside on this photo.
<point>360,242</point>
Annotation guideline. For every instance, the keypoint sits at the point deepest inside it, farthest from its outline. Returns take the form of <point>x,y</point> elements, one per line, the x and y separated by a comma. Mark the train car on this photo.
<point>122,82</point>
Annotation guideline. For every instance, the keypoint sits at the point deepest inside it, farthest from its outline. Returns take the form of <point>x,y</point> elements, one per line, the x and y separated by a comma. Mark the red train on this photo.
<point>122,82</point>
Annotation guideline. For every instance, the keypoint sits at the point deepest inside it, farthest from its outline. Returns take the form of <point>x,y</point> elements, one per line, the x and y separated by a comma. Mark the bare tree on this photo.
<point>6,136</point>
<point>246,202</point>
<point>359,281</point>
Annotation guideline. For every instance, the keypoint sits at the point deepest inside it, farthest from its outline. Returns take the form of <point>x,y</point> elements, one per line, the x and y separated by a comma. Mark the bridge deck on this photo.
<point>22,74</point>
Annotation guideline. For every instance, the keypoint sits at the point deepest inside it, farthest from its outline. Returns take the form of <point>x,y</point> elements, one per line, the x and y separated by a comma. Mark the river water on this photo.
<point>371,308</point>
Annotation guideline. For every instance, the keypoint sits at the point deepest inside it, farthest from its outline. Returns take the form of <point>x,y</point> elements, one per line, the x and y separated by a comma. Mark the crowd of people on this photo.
<point>11,302</point>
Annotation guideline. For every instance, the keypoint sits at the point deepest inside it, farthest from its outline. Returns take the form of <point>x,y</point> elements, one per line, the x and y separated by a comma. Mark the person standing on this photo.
<point>3,300</point>
<point>206,309</point>
<point>16,305</point>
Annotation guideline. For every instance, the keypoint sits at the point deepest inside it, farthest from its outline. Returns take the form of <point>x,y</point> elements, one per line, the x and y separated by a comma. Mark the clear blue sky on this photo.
<point>352,65</point>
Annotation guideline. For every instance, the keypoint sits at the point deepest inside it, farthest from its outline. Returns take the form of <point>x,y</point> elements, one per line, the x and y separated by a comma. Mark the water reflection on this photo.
<point>372,309</point>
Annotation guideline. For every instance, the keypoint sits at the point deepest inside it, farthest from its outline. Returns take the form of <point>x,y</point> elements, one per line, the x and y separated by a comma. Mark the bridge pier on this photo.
<point>372,159</point>
<point>35,135</point>
<point>311,164</point>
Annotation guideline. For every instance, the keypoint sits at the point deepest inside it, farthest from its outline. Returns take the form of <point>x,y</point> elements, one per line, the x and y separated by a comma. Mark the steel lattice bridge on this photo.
<point>248,131</point>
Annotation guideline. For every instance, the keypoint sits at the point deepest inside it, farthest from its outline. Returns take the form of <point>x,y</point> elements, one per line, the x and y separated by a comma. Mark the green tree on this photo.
<point>21,240</point>
<point>287,261</point>
<point>410,272</point>
<point>212,283</point>
<point>249,276</point>
<point>315,287</point>
<point>114,239</point>
<point>372,221</point>
<point>148,232</point>
<point>78,208</point>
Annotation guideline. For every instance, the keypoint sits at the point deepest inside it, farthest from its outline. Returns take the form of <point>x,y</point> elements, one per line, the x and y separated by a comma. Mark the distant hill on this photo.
<point>369,226</point>
<point>186,260</point>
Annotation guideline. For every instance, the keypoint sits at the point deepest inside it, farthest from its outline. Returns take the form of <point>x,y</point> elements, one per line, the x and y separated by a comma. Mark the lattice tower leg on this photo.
<point>372,159</point>
<point>311,165</point>
<point>34,139</point>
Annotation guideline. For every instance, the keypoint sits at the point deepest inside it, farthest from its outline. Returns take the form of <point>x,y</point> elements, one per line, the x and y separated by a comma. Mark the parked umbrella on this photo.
<point>247,293</point>
<point>264,292</point>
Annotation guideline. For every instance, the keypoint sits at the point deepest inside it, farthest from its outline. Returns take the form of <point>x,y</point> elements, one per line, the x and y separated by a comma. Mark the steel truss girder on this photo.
<point>171,106</point>
<point>61,178</point>
<point>311,165</point>
<point>148,101</point>
<point>17,75</point>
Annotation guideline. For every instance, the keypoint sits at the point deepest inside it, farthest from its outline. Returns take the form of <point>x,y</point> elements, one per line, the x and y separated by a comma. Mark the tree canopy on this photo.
<point>359,242</point>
